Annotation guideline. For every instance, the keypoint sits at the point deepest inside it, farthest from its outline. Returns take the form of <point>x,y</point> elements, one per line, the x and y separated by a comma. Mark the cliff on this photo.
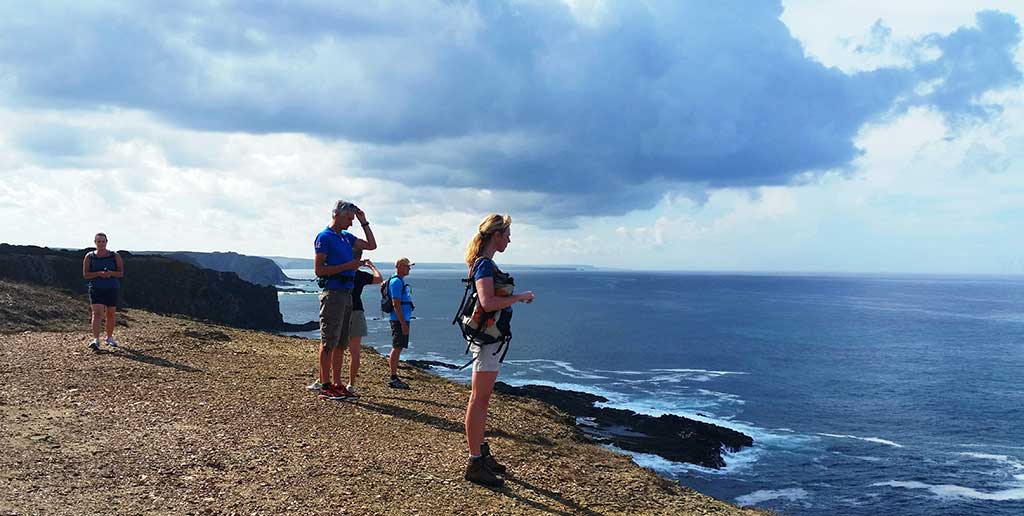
<point>254,269</point>
<point>156,283</point>
<point>193,418</point>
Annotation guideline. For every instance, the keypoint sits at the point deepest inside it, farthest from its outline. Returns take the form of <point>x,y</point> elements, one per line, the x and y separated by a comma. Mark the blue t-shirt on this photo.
<point>485,269</point>
<point>399,290</point>
<point>338,248</point>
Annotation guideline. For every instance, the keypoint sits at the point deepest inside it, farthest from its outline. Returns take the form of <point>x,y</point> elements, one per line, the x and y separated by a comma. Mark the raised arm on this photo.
<point>377,277</point>
<point>371,242</point>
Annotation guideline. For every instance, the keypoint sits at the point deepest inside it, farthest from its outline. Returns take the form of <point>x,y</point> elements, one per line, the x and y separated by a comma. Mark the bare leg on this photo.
<point>97,320</point>
<point>393,360</point>
<point>476,410</point>
<point>353,362</point>
<point>337,360</point>
<point>325,365</point>
<point>111,320</point>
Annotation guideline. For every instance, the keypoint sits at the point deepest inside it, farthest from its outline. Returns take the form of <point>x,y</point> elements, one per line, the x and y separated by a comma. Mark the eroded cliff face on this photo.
<point>254,269</point>
<point>156,283</point>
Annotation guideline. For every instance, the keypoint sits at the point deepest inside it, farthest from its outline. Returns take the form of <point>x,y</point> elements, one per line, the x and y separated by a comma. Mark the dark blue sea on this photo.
<point>865,395</point>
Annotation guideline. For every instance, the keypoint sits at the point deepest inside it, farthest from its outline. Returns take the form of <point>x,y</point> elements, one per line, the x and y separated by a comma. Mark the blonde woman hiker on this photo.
<point>103,270</point>
<point>494,300</point>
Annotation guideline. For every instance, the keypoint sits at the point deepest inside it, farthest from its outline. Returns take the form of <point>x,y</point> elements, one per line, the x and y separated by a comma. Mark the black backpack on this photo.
<point>386,304</point>
<point>480,327</point>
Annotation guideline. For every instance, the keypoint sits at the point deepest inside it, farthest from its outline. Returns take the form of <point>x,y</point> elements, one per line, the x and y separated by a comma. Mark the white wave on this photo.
<point>734,462</point>
<point>955,491</point>
<point>1006,459</point>
<point>673,375</point>
<point>560,367</point>
<point>764,495</point>
<point>723,396</point>
<point>878,440</point>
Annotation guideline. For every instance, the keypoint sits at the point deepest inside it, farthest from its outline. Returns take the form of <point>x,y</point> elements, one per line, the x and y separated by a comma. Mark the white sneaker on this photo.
<point>111,342</point>
<point>95,345</point>
<point>315,386</point>
<point>352,392</point>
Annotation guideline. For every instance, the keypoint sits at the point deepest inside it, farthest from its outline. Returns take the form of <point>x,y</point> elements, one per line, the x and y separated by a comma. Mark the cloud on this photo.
<point>570,111</point>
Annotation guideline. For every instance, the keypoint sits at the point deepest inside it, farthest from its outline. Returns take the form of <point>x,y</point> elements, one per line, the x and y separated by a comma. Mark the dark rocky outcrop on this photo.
<point>426,365</point>
<point>156,283</point>
<point>673,437</point>
<point>254,269</point>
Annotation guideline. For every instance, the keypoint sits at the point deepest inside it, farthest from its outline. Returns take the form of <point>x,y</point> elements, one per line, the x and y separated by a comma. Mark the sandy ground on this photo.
<point>190,418</point>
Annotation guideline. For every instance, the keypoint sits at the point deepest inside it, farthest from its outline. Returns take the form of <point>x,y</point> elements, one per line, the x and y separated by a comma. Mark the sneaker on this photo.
<point>95,345</point>
<point>315,386</point>
<point>397,383</point>
<point>493,465</point>
<point>351,389</point>
<point>111,342</point>
<point>477,472</point>
<point>332,392</point>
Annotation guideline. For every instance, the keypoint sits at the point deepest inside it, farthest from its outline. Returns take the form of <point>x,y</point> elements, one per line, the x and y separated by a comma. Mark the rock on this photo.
<point>673,437</point>
<point>430,364</point>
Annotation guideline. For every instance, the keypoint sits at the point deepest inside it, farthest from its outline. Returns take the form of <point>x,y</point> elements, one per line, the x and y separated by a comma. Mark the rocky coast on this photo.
<point>194,417</point>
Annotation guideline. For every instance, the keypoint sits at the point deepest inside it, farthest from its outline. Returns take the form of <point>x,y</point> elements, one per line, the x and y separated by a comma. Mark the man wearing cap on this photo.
<point>401,299</point>
<point>335,266</point>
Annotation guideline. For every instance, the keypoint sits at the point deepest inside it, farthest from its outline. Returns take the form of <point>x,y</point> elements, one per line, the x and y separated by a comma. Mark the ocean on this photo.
<point>865,395</point>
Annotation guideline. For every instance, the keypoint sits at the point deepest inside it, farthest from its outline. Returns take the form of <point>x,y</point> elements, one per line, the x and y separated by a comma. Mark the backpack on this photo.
<point>480,327</point>
<point>386,304</point>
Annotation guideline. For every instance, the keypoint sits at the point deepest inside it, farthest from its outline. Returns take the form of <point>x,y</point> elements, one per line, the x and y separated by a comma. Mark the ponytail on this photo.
<point>490,225</point>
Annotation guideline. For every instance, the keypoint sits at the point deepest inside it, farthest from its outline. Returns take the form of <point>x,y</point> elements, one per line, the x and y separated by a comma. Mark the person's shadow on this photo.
<point>570,507</point>
<point>139,356</point>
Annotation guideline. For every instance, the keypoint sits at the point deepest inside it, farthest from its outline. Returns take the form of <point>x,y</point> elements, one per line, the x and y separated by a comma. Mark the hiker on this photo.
<point>357,326</point>
<point>102,268</point>
<point>493,294</point>
<point>401,312</point>
<point>335,268</point>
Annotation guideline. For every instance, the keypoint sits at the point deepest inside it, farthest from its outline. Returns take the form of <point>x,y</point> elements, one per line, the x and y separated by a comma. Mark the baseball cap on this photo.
<point>403,261</point>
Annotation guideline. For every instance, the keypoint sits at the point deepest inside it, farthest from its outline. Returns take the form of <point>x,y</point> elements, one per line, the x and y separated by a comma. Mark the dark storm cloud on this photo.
<point>598,118</point>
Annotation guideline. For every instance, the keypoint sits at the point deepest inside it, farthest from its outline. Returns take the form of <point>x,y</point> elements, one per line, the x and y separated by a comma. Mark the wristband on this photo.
<point>364,224</point>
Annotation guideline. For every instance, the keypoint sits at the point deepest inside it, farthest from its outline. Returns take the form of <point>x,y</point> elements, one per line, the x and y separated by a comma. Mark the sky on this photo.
<point>801,136</point>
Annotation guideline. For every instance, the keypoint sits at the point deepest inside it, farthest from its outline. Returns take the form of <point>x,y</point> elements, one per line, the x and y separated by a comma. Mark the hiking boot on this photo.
<point>111,342</point>
<point>95,345</point>
<point>493,465</point>
<point>351,389</point>
<point>397,383</point>
<point>477,472</point>
<point>315,386</point>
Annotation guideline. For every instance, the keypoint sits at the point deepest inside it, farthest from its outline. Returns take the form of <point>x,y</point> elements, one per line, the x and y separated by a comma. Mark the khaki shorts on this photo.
<point>357,325</point>
<point>486,359</point>
<point>335,311</point>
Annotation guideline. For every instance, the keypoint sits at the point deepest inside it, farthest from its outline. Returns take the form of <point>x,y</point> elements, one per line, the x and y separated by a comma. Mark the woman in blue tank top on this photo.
<point>102,269</point>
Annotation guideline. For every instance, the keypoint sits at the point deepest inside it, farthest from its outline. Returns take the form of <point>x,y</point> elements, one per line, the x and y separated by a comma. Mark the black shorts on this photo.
<point>398,339</point>
<point>103,296</point>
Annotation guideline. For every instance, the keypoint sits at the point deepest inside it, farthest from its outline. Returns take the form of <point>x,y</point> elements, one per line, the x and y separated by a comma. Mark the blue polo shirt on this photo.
<point>338,248</point>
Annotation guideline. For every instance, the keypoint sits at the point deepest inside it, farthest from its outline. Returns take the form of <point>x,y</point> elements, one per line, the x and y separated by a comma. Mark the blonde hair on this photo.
<point>491,224</point>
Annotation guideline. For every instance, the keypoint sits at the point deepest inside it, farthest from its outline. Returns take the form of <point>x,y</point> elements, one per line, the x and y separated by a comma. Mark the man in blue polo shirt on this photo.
<point>335,267</point>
